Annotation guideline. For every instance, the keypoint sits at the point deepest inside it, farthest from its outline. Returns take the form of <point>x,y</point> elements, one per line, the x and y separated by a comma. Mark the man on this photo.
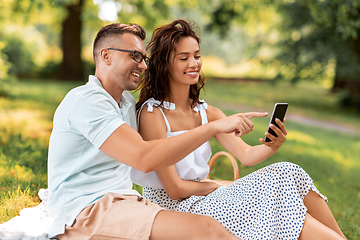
<point>94,144</point>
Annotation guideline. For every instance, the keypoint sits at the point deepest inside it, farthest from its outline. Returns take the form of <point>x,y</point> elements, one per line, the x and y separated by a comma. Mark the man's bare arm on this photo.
<point>127,146</point>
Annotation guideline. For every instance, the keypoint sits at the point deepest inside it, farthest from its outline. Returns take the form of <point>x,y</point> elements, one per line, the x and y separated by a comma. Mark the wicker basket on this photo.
<point>234,165</point>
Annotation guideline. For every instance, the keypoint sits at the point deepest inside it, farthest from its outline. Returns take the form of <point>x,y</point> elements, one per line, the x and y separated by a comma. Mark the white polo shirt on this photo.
<point>78,172</point>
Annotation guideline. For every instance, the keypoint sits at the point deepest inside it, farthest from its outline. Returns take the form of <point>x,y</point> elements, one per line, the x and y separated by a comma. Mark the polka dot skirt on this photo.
<point>266,204</point>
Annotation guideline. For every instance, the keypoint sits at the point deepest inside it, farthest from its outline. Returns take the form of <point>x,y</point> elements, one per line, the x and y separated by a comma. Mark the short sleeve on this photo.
<point>95,116</point>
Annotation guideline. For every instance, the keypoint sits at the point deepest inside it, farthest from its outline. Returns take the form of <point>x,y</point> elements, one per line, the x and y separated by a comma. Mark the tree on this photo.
<point>311,35</point>
<point>72,64</point>
<point>3,72</point>
<point>326,30</point>
<point>71,14</point>
<point>44,16</point>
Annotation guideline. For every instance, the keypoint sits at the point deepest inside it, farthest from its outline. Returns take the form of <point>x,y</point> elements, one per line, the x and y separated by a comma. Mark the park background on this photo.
<point>255,53</point>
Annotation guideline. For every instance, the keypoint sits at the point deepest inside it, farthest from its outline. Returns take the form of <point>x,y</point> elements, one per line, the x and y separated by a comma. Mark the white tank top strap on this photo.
<point>167,105</point>
<point>202,109</point>
<point>168,128</point>
<point>193,166</point>
<point>151,102</point>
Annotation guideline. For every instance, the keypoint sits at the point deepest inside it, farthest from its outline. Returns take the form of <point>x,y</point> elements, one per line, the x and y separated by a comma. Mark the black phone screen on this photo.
<point>278,112</point>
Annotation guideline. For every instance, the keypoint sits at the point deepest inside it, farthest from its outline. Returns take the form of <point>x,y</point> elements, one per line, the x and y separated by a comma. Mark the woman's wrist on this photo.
<point>212,185</point>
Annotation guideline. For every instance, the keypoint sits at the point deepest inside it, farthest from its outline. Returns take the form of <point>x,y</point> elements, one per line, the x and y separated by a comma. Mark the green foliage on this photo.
<point>4,65</point>
<point>344,15</point>
<point>19,56</point>
<point>4,69</point>
<point>29,32</point>
<point>301,40</point>
<point>221,17</point>
<point>5,78</point>
<point>318,31</point>
<point>51,69</point>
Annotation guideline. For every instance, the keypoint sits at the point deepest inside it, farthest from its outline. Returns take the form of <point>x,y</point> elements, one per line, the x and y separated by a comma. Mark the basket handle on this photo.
<point>232,159</point>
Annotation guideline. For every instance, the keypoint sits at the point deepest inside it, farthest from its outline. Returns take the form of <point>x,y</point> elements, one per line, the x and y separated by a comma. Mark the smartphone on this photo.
<point>278,112</point>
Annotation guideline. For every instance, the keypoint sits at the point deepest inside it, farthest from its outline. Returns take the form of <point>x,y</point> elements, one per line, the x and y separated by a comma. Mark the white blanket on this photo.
<point>32,224</point>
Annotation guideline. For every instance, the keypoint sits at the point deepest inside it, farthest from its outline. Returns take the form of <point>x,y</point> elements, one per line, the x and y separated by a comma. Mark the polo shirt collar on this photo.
<point>124,103</point>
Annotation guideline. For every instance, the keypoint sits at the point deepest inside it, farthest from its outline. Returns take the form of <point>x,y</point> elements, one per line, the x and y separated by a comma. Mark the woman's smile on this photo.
<point>192,73</point>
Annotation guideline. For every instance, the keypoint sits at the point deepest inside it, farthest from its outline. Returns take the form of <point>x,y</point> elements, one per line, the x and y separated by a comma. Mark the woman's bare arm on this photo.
<point>246,154</point>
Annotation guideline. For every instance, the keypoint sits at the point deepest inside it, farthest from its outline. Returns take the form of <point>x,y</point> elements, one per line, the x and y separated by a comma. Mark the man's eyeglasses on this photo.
<point>137,56</point>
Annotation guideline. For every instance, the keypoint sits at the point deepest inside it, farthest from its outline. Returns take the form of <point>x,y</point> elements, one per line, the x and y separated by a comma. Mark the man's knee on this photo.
<point>212,229</point>
<point>175,225</point>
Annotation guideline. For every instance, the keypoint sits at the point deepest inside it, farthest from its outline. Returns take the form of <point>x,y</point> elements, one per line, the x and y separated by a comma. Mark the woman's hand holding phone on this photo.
<point>276,133</point>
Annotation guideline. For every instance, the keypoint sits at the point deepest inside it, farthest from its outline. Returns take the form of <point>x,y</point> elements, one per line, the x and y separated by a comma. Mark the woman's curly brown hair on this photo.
<point>155,81</point>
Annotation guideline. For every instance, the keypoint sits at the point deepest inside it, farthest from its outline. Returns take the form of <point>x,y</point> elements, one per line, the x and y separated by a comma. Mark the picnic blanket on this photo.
<point>32,224</point>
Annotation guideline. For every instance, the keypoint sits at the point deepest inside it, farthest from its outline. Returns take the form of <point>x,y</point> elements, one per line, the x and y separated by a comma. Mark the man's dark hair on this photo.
<point>115,30</point>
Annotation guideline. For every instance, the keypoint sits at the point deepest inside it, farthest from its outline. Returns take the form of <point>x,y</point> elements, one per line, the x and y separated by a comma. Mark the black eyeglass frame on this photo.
<point>146,59</point>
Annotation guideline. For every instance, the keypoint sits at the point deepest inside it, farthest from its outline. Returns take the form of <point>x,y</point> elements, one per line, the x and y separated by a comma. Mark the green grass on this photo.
<point>25,126</point>
<point>330,158</point>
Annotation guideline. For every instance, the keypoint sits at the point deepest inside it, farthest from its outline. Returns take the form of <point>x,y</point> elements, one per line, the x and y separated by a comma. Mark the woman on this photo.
<point>277,202</point>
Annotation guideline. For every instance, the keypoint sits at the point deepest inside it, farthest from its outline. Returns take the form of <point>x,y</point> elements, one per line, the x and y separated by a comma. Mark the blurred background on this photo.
<point>275,40</point>
<point>255,53</point>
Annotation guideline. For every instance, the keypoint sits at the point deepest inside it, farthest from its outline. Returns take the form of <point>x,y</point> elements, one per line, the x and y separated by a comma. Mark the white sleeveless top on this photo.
<point>193,166</point>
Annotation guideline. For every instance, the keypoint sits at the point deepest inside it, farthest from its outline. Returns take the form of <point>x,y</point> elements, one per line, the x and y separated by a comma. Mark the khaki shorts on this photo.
<point>114,216</point>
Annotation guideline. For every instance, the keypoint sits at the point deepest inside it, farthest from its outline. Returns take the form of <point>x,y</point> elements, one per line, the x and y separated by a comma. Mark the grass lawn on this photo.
<point>330,158</point>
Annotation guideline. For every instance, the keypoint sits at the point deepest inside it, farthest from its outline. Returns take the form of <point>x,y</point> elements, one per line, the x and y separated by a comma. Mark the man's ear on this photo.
<point>105,56</point>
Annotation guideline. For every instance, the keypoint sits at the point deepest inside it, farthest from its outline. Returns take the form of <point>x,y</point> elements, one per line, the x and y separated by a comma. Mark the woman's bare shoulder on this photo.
<point>151,123</point>
<point>152,116</point>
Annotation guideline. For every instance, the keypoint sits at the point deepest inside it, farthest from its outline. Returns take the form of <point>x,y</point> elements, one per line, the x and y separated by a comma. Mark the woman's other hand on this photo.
<point>281,132</point>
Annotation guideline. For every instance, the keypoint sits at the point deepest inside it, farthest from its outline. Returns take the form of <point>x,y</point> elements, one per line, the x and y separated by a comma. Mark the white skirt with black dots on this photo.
<point>266,204</point>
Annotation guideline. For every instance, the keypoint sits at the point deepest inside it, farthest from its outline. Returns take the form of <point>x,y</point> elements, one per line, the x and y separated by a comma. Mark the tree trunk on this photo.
<point>351,96</point>
<point>351,84</point>
<point>72,66</point>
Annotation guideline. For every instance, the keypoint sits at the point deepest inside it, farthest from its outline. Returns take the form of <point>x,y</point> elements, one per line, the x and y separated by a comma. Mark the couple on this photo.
<point>95,154</point>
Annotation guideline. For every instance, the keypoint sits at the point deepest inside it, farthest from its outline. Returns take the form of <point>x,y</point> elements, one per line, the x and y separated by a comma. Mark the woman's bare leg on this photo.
<point>313,229</point>
<point>319,210</point>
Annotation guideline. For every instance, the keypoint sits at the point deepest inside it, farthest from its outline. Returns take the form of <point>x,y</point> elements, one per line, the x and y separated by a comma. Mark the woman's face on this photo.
<point>186,62</point>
